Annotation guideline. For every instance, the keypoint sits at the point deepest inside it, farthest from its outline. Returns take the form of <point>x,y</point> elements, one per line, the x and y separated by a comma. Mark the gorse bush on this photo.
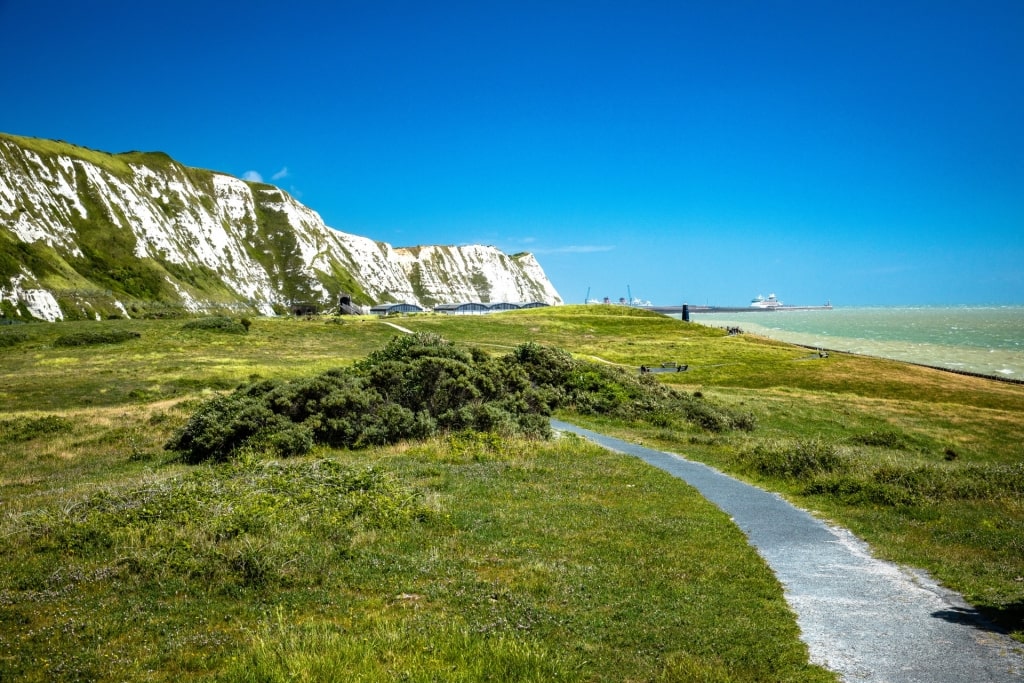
<point>419,385</point>
<point>94,337</point>
<point>11,338</point>
<point>219,323</point>
<point>609,390</point>
<point>414,387</point>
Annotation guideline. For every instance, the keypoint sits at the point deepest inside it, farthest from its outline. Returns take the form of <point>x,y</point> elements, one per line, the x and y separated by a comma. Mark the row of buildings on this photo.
<point>347,307</point>
<point>469,308</point>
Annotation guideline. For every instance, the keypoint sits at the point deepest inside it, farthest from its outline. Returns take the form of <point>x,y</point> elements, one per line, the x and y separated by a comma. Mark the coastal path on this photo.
<point>868,620</point>
<point>403,330</point>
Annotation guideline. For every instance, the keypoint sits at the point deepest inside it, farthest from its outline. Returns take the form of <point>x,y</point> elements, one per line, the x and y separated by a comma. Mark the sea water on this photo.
<point>984,340</point>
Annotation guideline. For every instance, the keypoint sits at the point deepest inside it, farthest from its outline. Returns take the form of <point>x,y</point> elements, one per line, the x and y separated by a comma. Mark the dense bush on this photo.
<point>413,387</point>
<point>94,337</point>
<point>617,392</point>
<point>219,323</point>
<point>11,337</point>
<point>418,385</point>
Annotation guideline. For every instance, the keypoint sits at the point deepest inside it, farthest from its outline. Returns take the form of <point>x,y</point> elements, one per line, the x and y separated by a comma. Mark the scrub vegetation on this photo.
<point>421,385</point>
<point>219,323</point>
<point>265,544</point>
<point>90,337</point>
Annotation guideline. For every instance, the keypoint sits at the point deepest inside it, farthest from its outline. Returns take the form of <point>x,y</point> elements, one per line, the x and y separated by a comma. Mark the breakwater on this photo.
<point>676,310</point>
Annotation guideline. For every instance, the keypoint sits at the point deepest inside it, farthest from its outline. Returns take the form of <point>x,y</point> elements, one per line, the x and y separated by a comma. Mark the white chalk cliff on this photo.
<point>89,234</point>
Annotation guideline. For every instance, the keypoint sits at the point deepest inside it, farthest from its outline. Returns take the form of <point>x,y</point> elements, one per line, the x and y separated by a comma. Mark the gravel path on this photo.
<point>865,619</point>
<point>403,330</point>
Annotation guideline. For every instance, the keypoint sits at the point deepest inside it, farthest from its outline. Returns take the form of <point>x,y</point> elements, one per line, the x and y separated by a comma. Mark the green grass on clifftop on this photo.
<point>467,556</point>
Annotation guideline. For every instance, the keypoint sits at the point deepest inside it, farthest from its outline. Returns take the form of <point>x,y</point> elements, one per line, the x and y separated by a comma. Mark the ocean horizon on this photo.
<point>987,340</point>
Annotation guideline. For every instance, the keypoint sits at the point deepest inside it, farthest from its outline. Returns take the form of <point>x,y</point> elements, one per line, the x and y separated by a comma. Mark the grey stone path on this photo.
<point>866,619</point>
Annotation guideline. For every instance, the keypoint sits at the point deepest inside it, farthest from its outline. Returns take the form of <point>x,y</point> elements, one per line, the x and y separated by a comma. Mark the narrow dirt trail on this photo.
<point>866,619</point>
<point>403,330</point>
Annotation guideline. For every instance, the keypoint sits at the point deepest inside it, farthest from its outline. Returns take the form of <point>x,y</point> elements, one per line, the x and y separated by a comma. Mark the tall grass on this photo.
<point>415,649</point>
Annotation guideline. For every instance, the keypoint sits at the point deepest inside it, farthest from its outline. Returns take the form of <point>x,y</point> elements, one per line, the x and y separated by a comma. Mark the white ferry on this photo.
<point>761,302</point>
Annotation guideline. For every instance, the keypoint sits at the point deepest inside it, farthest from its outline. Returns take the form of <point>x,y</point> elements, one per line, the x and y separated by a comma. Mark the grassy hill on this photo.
<point>466,556</point>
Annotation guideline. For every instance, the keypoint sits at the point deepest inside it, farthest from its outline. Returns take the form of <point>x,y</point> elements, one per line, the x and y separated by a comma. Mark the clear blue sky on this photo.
<point>867,152</point>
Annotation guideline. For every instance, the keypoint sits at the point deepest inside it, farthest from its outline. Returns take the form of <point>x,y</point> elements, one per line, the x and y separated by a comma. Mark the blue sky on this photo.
<point>864,152</point>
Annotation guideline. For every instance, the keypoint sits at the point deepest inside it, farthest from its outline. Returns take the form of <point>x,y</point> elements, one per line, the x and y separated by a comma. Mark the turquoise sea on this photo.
<point>985,340</point>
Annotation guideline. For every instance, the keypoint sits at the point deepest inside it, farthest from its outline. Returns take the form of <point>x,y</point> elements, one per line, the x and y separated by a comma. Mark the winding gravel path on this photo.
<point>865,619</point>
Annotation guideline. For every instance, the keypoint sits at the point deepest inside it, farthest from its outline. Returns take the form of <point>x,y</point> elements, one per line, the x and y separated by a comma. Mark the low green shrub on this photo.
<point>218,323</point>
<point>11,338</point>
<point>421,384</point>
<point>896,484</point>
<point>608,390</point>
<point>858,490</point>
<point>716,418</point>
<point>800,459</point>
<point>981,481</point>
<point>884,438</point>
<point>412,388</point>
<point>95,337</point>
<point>28,428</point>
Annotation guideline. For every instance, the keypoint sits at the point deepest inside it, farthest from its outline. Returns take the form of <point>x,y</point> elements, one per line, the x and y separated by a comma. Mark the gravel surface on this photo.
<point>866,619</point>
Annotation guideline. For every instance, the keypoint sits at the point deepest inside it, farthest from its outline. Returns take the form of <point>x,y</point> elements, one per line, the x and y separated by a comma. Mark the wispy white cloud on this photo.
<point>283,173</point>
<point>576,249</point>
<point>252,176</point>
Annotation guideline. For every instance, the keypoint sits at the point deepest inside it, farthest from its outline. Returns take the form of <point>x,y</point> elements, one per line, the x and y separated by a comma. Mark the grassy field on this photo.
<point>467,556</point>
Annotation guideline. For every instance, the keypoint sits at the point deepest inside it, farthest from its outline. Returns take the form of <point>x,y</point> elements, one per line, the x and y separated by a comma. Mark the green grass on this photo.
<point>467,557</point>
<point>474,558</point>
<point>218,323</point>
<point>907,500</point>
<point>111,162</point>
<point>95,337</point>
<point>168,361</point>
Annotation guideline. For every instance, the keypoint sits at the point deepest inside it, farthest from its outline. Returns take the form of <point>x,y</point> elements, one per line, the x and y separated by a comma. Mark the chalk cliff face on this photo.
<point>90,234</point>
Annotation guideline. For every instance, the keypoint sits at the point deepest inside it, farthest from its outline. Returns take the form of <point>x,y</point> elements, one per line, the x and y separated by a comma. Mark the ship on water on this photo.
<point>771,302</point>
<point>757,304</point>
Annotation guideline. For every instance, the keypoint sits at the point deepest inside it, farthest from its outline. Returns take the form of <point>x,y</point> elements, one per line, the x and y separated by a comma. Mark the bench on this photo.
<point>670,366</point>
